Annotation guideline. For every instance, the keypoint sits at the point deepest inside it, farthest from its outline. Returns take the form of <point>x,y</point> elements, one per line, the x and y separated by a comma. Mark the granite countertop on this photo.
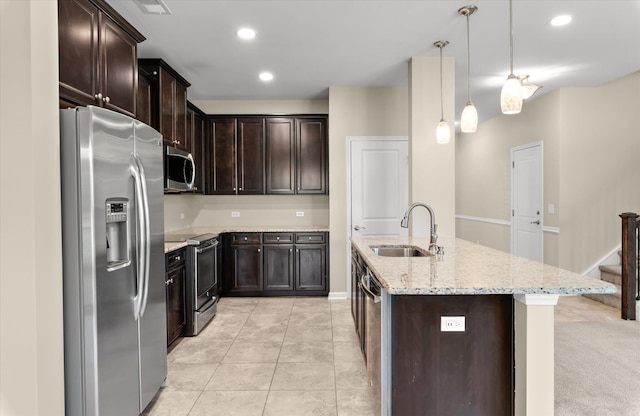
<point>170,246</point>
<point>468,269</point>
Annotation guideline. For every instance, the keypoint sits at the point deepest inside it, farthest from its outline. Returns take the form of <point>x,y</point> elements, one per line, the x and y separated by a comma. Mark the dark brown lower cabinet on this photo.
<point>452,373</point>
<point>278,267</point>
<point>271,264</point>
<point>175,280</point>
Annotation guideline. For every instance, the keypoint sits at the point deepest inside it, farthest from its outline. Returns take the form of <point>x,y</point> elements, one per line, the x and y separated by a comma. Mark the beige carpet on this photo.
<point>597,360</point>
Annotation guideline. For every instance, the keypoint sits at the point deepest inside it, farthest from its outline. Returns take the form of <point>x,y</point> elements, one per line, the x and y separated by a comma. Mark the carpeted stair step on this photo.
<point>611,274</point>
<point>614,300</point>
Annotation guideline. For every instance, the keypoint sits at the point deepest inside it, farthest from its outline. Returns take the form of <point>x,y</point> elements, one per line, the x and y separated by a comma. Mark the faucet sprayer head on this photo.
<point>404,223</point>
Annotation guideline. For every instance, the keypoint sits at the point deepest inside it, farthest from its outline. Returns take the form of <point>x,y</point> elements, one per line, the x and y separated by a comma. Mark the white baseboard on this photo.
<point>609,259</point>
<point>338,295</point>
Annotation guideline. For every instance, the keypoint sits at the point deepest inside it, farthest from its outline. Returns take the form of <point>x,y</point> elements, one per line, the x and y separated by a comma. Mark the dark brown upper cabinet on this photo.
<point>296,153</point>
<point>97,52</point>
<point>280,156</point>
<point>236,156</point>
<point>311,155</point>
<point>169,102</point>
<point>196,131</point>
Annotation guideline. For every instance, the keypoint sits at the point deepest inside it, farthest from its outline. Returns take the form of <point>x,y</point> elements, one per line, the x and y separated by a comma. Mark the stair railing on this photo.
<point>630,265</point>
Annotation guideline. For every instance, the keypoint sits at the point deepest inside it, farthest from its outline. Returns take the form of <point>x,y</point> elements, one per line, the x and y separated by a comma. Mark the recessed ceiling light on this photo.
<point>561,20</point>
<point>246,33</point>
<point>153,6</point>
<point>266,76</point>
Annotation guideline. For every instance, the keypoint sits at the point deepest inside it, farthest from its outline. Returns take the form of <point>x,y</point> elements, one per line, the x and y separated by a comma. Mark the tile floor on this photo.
<point>269,356</point>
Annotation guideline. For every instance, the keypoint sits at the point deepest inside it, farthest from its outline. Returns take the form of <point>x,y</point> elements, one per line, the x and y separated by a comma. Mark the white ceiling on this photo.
<point>311,45</point>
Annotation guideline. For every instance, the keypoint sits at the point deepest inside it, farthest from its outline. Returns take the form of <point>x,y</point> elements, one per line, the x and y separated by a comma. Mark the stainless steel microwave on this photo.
<point>179,170</point>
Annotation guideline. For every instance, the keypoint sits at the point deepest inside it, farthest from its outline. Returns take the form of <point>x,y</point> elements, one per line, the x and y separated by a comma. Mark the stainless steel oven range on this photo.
<point>201,288</point>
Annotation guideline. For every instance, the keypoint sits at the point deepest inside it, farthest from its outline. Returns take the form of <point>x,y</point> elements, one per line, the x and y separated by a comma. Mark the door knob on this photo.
<point>537,222</point>
<point>358,228</point>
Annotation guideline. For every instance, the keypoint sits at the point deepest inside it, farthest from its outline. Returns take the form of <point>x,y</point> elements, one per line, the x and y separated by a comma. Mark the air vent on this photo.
<point>153,6</point>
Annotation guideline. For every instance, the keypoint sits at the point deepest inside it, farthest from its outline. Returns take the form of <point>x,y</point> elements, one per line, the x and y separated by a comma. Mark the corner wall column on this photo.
<point>432,169</point>
<point>534,354</point>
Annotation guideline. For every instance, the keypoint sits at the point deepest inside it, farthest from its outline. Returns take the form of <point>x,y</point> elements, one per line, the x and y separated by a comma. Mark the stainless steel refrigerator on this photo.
<point>113,262</point>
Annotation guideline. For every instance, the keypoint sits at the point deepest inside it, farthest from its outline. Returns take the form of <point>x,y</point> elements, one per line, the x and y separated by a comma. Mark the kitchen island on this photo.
<point>469,332</point>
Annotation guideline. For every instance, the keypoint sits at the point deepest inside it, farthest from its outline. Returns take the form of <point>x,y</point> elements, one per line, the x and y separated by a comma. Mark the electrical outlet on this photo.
<point>452,324</point>
<point>235,214</point>
<point>182,215</point>
<point>299,213</point>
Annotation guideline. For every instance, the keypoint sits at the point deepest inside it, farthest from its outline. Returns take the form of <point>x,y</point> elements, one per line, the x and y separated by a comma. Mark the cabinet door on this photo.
<point>176,312</point>
<point>311,156</point>
<point>250,150</point>
<point>78,50</point>
<point>146,102</point>
<point>221,178</point>
<point>278,267</point>
<point>311,267</point>
<point>167,99</point>
<point>280,156</point>
<point>180,116</point>
<point>118,67</point>
<point>197,150</point>
<point>247,268</point>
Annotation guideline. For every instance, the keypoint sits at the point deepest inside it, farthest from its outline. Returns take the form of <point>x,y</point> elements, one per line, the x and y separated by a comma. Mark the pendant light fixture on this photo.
<point>443,132</point>
<point>469,118</point>
<point>528,89</point>
<point>511,95</point>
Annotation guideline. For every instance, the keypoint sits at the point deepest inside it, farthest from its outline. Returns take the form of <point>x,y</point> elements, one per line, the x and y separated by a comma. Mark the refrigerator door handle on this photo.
<point>135,173</point>
<point>146,236</point>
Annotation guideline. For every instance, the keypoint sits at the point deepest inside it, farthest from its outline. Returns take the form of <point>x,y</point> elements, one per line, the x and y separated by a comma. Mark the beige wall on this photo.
<point>267,210</point>
<point>590,151</point>
<point>31,337</point>
<point>431,165</point>
<point>599,170</point>
<point>356,111</point>
<point>263,106</point>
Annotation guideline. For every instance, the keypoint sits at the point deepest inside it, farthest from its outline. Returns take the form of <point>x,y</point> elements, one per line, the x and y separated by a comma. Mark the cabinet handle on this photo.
<point>240,189</point>
<point>177,258</point>
<point>290,250</point>
<point>167,282</point>
<point>278,238</point>
<point>258,250</point>
<point>245,239</point>
<point>106,99</point>
<point>234,188</point>
<point>98,96</point>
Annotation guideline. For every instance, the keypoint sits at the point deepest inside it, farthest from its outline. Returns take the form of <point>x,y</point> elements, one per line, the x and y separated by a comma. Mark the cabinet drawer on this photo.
<point>277,238</point>
<point>175,258</point>
<point>246,238</point>
<point>310,238</point>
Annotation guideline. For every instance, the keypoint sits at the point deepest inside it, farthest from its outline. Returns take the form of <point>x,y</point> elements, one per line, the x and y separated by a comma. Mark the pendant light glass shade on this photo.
<point>443,132</point>
<point>528,89</point>
<point>469,118</point>
<point>511,95</point>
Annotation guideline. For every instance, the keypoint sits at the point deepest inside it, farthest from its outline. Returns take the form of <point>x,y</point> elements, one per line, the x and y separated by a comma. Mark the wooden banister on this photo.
<point>629,264</point>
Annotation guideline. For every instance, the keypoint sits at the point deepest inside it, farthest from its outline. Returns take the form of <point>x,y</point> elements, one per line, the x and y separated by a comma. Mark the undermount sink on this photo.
<point>399,251</point>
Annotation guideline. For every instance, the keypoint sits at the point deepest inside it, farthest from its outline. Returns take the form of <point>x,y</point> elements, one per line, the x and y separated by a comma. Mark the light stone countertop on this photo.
<point>170,246</point>
<point>468,269</point>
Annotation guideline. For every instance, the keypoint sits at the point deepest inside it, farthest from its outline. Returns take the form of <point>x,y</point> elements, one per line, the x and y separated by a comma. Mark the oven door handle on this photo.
<point>365,286</point>
<point>202,250</point>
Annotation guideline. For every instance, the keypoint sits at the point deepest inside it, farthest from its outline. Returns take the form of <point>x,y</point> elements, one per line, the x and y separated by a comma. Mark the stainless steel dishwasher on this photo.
<point>371,289</point>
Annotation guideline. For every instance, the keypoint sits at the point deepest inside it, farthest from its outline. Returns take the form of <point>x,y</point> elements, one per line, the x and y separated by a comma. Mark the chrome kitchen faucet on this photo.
<point>433,248</point>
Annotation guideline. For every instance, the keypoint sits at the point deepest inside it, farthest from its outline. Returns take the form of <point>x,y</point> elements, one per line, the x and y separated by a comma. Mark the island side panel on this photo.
<point>452,373</point>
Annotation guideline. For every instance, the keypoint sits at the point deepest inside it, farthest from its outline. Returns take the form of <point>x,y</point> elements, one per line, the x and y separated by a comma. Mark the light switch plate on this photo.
<point>452,324</point>
<point>551,209</point>
<point>235,214</point>
<point>299,213</point>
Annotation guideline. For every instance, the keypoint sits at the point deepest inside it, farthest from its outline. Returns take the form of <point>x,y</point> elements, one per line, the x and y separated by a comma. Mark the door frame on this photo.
<point>513,228</point>
<point>350,140</point>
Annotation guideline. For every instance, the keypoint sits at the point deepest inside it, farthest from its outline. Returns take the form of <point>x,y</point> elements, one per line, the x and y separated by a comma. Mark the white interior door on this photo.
<point>526,199</point>
<point>379,172</point>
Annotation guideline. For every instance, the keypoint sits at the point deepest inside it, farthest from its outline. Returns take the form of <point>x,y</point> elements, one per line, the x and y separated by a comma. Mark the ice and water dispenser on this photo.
<point>118,240</point>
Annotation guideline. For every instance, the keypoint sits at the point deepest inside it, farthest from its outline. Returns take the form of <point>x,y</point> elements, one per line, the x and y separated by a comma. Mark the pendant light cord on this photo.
<point>441,100</point>
<point>511,37</point>
<point>468,63</point>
